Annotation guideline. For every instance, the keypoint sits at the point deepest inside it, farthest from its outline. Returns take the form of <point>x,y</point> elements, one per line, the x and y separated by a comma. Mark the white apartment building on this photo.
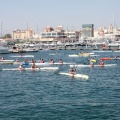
<point>59,35</point>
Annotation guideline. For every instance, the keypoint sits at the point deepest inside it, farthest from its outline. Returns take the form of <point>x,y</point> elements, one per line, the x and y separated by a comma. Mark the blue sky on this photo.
<point>71,14</point>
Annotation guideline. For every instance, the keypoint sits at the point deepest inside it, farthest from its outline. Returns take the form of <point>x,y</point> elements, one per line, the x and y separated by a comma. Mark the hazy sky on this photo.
<point>71,14</point>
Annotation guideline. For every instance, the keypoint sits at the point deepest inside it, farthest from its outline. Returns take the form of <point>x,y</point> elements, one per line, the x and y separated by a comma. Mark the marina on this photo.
<point>59,60</point>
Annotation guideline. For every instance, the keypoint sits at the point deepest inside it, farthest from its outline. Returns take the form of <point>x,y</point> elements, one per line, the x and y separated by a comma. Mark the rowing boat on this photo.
<point>47,63</point>
<point>81,65</point>
<point>7,62</point>
<point>44,64</point>
<point>43,68</point>
<point>23,63</point>
<point>77,55</point>
<point>23,56</point>
<point>109,58</point>
<point>93,60</point>
<point>75,75</point>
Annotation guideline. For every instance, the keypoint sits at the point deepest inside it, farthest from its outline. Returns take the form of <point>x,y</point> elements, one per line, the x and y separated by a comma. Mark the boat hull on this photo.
<point>75,75</point>
<point>81,65</point>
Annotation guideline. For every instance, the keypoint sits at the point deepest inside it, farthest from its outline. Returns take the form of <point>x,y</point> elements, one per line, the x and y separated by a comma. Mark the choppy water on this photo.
<point>42,95</point>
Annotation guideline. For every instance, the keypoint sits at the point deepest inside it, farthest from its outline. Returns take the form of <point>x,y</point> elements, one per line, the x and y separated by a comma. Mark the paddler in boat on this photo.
<point>20,54</point>
<point>91,64</point>
<point>17,60</point>
<point>33,66</point>
<point>20,67</point>
<point>90,59</point>
<point>41,60</point>
<point>72,71</point>
<point>3,58</point>
<point>116,57</point>
<point>61,61</point>
<point>33,61</point>
<point>101,63</point>
<point>51,61</point>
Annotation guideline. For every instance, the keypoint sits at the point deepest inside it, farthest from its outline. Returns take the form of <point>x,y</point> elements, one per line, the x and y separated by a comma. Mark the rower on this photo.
<point>72,71</point>
<point>33,61</point>
<point>61,61</point>
<point>116,57</point>
<point>33,66</point>
<point>101,63</point>
<point>91,64</point>
<point>91,59</point>
<point>41,60</point>
<point>17,60</point>
<point>3,58</point>
<point>20,67</point>
<point>51,61</point>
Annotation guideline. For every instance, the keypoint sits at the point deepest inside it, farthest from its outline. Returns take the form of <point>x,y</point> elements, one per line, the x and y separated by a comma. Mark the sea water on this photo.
<point>47,95</point>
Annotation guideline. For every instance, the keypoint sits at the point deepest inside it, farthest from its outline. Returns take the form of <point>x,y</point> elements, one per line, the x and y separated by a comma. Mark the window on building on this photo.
<point>48,34</point>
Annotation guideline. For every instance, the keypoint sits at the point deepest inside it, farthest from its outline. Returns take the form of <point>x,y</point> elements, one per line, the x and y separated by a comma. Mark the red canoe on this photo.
<point>105,59</point>
<point>109,58</point>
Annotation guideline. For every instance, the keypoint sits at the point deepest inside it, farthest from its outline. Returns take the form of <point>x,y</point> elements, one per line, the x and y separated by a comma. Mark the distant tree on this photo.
<point>7,36</point>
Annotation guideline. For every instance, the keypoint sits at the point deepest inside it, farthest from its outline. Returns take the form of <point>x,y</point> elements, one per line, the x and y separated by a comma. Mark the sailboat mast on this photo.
<point>1,29</point>
<point>113,22</point>
<point>27,30</point>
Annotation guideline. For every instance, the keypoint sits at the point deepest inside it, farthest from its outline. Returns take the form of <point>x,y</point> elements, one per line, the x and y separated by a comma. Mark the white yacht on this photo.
<point>3,50</point>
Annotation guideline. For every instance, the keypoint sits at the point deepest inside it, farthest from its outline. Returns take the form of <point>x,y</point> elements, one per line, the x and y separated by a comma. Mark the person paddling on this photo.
<point>20,67</point>
<point>17,60</point>
<point>61,61</point>
<point>41,60</point>
<point>33,61</point>
<point>101,63</point>
<point>116,57</point>
<point>3,58</point>
<point>72,71</point>
<point>51,61</point>
<point>33,66</point>
<point>91,64</point>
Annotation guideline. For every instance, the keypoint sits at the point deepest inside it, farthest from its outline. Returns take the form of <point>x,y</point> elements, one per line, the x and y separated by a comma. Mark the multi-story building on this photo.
<point>49,32</point>
<point>49,35</point>
<point>87,30</point>
<point>73,36</point>
<point>58,34</point>
<point>22,34</point>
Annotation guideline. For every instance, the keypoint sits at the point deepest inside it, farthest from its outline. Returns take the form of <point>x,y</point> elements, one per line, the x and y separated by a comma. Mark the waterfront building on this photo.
<point>22,34</point>
<point>50,35</point>
<point>111,33</point>
<point>87,30</point>
<point>73,36</point>
<point>59,35</point>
